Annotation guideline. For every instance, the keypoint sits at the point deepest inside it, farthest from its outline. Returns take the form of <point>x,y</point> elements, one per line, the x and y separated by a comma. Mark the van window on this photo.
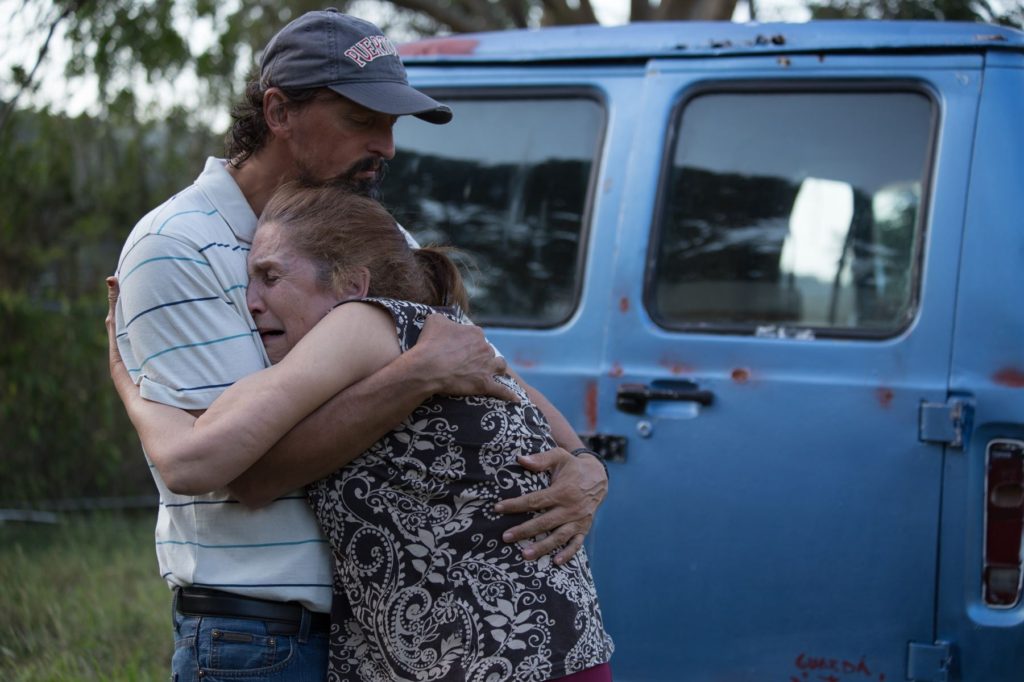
<point>792,209</point>
<point>506,183</point>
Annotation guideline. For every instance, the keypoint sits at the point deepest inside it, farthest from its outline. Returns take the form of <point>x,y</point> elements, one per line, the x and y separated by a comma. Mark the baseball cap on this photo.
<point>328,49</point>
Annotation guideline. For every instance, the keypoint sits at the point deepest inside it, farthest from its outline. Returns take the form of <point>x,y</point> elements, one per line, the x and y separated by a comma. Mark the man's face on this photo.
<point>284,296</point>
<point>336,140</point>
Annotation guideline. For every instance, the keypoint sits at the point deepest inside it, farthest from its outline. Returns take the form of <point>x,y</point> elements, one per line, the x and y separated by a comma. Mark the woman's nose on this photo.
<point>253,299</point>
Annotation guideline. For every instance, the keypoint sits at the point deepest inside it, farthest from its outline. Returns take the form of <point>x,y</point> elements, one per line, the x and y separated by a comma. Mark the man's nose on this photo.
<point>382,143</point>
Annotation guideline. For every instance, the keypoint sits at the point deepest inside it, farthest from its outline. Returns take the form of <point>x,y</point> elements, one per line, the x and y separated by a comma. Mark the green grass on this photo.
<point>82,600</point>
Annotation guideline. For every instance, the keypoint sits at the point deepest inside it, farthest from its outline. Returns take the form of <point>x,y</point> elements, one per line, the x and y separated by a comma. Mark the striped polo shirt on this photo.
<point>185,334</point>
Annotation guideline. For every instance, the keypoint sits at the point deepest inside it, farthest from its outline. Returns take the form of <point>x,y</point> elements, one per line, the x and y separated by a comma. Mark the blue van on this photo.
<point>771,272</point>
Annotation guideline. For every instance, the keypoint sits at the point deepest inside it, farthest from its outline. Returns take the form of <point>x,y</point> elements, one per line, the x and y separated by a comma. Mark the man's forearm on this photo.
<point>336,433</point>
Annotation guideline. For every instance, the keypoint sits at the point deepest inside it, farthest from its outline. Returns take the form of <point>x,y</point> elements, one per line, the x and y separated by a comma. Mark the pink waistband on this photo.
<point>599,673</point>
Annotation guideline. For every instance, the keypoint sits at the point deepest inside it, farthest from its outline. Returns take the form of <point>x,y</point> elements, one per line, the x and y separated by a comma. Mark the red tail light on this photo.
<point>1004,522</point>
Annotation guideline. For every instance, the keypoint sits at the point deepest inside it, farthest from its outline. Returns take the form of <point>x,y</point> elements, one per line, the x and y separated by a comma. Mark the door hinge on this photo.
<point>929,662</point>
<point>945,423</point>
<point>608,447</point>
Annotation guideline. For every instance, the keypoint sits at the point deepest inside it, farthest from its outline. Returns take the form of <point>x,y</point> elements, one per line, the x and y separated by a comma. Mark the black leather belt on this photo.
<point>281,617</point>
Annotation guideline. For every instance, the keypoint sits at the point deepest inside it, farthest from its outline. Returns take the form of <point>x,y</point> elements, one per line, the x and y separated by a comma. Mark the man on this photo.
<point>252,587</point>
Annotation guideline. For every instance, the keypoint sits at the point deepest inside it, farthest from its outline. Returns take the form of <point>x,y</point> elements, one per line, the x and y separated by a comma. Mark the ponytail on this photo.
<point>442,278</point>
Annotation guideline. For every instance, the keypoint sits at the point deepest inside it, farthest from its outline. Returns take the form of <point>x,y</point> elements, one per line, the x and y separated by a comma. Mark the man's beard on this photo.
<point>366,187</point>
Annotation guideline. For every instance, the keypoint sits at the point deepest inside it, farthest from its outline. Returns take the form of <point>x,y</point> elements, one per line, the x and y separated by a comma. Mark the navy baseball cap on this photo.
<point>328,49</point>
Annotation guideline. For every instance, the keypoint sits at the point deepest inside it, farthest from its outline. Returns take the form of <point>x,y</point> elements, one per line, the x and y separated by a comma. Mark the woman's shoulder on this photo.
<point>409,316</point>
<point>414,310</point>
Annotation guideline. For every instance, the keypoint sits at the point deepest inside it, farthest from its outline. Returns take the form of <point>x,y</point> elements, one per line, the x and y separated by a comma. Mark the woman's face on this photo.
<point>284,296</point>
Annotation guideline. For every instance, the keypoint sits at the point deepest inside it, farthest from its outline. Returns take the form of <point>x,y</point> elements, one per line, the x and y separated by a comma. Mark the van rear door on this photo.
<point>980,605</point>
<point>782,314</point>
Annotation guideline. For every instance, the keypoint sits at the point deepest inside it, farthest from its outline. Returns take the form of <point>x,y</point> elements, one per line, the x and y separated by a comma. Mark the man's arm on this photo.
<point>448,358</point>
<point>567,506</point>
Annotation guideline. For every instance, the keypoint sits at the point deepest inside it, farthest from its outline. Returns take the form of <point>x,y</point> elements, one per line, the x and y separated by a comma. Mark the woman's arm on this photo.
<point>449,358</point>
<point>350,343</point>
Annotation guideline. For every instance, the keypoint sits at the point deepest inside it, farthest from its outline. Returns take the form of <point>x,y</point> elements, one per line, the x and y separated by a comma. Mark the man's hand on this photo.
<point>456,359</point>
<point>578,486</point>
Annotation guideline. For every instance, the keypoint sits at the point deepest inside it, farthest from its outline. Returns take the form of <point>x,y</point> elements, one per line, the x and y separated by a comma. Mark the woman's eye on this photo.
<point>360,121</point>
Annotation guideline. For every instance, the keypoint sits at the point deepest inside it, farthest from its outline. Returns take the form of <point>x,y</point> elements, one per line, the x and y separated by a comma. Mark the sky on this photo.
<point>19,45</point>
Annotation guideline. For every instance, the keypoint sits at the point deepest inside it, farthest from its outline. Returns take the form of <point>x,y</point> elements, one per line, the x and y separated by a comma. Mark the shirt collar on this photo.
<point>221,190</point>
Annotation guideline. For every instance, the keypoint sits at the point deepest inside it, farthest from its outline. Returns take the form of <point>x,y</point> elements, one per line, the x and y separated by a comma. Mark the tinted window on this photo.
<point>506,182</point>
<point>793,210</point>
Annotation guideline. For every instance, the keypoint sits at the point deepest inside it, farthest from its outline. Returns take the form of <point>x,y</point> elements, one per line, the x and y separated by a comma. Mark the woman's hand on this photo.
<point>126,388</point>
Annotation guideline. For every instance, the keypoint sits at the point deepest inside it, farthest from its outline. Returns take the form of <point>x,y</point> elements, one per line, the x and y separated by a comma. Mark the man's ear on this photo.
<point>276,112</point>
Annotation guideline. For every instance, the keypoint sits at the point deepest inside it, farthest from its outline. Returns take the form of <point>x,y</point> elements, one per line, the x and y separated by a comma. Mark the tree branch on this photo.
<point>27,81</point>
<point>556,12</point>
<point>695,10</point>
<point>639,10</point>
<point>518,11</point>
<point>585,13</point>
<point>454,20</point>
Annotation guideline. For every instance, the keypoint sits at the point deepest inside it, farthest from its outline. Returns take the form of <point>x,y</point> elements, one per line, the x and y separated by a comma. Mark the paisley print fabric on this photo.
<point>424,586</point>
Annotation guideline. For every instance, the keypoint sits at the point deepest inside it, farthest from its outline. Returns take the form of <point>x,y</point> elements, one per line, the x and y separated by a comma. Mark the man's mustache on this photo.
<point>367,187</point>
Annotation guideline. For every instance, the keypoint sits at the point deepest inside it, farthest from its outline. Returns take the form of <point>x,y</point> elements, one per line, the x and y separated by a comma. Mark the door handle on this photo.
<point>633,398</point>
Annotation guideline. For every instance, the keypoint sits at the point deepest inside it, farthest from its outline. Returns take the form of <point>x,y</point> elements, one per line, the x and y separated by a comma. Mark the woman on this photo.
<point>424,586</point>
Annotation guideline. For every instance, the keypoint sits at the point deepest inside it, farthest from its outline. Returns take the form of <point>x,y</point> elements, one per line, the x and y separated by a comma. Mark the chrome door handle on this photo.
<point>633,398</point>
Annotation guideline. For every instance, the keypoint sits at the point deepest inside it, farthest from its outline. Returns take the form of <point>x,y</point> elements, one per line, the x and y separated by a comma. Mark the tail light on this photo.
<point>1004,522</point>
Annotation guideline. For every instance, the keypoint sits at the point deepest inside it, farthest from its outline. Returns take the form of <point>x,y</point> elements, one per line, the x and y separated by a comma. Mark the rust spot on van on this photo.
<point>740,375</point>
<point>1009,376</point>
<point>590,406</point>
<point>616,371</point>
<point>623,305</point>
<point>525,362</point>
<point>884,396</point>
<point>674,366</point>
<point>436,46</point>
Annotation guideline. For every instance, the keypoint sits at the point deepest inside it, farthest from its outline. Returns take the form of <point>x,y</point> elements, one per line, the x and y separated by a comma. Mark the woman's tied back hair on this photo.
<point>340,232</point>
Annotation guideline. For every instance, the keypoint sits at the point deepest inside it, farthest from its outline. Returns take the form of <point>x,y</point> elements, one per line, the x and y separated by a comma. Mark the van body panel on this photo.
<point>805,524</point>
<point>701,39</point>
<point>798,513</point>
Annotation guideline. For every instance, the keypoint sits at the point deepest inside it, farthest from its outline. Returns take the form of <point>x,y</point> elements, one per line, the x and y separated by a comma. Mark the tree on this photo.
<point>124,42</point>
<point>942,10</point>
<point>72,188</point>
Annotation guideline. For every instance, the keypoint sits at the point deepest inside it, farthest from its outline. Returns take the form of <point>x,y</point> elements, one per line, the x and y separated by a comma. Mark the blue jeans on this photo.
<point>240,650</point>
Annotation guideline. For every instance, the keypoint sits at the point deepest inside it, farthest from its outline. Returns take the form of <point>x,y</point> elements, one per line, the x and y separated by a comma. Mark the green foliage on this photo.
<point>82,600</point>
<point>65,432</point>
<point>122,42</point>
<point>72,190</point>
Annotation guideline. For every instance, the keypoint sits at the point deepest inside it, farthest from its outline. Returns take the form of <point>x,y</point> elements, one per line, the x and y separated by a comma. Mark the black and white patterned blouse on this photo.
<point>424,586</point>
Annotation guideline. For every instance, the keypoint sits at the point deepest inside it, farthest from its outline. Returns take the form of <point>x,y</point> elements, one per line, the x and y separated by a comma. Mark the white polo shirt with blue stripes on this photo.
<point>185,334</point>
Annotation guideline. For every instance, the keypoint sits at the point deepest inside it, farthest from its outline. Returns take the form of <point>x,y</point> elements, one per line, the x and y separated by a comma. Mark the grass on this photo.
<point>82,600</point>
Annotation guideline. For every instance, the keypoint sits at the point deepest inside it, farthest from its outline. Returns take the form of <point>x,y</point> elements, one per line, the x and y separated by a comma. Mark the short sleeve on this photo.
<point>182,333</point>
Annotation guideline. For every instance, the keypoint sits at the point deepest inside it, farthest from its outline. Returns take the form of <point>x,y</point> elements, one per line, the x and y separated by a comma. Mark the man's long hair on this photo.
<point>249,132</point>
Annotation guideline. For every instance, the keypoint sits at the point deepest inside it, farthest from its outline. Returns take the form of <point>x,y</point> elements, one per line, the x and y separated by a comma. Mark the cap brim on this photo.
<point>396,99</point>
